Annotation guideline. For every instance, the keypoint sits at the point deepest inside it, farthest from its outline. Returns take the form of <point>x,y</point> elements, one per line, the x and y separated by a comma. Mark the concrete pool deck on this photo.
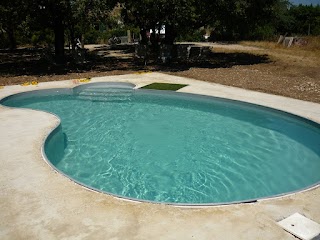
<point>38,203</point>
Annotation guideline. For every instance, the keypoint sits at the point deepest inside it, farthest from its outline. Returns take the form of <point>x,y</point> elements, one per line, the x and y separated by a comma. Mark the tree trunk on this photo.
<point>72,37</point>
<point>170,35</point>
<point>12,38</point>
<point>82,41</point>
<point>59,41</point>
<point>143,33</point>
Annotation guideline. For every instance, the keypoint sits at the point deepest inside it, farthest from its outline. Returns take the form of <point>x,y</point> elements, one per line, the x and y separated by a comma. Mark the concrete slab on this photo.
<point>38,203</point>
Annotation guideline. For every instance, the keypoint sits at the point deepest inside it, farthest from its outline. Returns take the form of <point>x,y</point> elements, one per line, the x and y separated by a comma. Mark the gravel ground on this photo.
<point>264,70</point>
<point>301,83</point>
<point>292,74</point>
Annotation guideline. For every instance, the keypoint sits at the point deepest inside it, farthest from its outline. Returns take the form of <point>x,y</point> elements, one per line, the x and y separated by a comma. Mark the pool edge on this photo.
<point>54,207</point>
<point>71,90</point>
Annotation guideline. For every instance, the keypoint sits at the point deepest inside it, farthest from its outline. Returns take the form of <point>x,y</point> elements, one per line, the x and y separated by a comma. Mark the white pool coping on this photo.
<point>36,202</point>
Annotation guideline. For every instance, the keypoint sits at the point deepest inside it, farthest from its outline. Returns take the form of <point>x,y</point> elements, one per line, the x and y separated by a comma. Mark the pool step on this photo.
<point>105,94</point>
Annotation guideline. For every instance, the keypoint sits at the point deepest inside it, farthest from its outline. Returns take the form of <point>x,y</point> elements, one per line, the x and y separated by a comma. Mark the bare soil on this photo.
<point>294,74</point>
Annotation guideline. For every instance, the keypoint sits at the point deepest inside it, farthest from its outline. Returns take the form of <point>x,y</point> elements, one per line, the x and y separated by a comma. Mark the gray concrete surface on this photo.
<point>38,203</point>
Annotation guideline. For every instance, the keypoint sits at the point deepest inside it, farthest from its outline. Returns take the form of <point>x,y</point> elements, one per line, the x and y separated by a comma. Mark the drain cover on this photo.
<point>300,226</point>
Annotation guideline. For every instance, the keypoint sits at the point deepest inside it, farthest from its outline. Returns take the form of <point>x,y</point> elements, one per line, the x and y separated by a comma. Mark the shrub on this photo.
<point>194,36</point>
<point>265,32</point>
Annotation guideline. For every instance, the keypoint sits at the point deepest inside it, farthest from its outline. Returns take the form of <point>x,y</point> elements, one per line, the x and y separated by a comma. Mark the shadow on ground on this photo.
<point>39,62</point>
<point>216,60</point>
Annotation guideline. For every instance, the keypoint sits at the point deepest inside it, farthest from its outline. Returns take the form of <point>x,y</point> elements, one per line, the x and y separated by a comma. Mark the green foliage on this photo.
<point>238,19</point>
<point>192,36</point>
<point>305,17</point>
<point>91,36</point>
<point>97,36</point>
<point>315,30</point>
<point>4,40</point>
<point>89,15</point>
<point>39,21</point>
<point>177,16</point>
<point>12,13</point>
<point>282,20</point>
<point>265,32</point>
<point>42,38</point>
<point>260,20</point>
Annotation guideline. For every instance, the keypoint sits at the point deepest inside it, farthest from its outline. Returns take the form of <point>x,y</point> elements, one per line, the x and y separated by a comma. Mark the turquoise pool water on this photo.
<point>176,148</point>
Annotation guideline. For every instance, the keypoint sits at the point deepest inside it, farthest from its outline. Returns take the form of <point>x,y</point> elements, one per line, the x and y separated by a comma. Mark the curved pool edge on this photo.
<point>75,89</point>
<point>183,205</point>
<point>52,207</point>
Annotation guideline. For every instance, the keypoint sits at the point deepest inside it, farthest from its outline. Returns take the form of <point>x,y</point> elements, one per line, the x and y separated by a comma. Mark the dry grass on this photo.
<point>313,44</point>
<point>292,72</point>
<point>308,55</point>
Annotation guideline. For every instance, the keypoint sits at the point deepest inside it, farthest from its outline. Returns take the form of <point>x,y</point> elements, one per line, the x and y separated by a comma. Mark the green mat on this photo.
<point>164,86</point>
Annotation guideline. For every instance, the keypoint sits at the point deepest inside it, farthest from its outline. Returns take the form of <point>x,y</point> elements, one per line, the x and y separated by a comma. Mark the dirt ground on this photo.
<point>292,72</point>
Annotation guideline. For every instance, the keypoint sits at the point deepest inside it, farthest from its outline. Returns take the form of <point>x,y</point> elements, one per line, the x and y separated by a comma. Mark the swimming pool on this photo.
<point>176,148</point>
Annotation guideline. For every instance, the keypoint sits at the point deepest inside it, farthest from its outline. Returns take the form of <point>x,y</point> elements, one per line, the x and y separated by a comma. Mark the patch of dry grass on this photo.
<point>292,72</point>
<point>308,54</point>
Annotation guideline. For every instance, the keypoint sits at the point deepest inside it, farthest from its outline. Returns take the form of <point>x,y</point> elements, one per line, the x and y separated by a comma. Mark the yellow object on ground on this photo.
<point>85,80</point>
<point>34,83</point>
<point>1,87</point>
<point>25,84</point>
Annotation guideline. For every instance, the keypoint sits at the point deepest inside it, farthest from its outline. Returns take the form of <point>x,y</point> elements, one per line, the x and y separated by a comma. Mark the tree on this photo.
<point>231,19</point>
<point>237,19</point>
<point>86,14</point>
<point>52,14</point>
<point>306,19</point>
<point>62,15</point>
<point>283,21</point>
<point>12,13</point>
<point>175,15</point>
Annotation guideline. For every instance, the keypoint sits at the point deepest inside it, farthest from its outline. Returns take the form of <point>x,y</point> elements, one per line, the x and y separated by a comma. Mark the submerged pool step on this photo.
<point>103,98</point>
<point>105,94</point>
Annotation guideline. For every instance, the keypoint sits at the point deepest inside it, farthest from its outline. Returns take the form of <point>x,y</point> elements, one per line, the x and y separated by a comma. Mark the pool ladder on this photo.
<point>106,94</point>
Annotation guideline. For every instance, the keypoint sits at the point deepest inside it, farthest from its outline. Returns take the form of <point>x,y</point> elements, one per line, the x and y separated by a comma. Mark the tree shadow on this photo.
<point>216,60</point>
<point>39,62</point>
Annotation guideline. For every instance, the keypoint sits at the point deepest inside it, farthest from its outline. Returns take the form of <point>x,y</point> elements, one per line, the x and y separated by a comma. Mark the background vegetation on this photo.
<point>59,22</point>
